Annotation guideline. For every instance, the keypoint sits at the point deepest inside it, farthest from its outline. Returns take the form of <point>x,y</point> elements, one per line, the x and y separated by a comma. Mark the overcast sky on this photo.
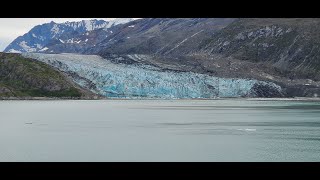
<point>11,28</point>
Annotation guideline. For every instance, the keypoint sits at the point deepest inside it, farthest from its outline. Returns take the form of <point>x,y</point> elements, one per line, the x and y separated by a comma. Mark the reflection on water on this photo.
<point>160,130</point>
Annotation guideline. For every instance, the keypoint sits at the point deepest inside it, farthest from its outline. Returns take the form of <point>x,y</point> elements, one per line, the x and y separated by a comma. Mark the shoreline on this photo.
<point>45,98</point>
<point>316,99</point>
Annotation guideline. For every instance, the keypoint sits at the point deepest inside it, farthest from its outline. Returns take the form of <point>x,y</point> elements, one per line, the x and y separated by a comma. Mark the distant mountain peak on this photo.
<point>39,36</point>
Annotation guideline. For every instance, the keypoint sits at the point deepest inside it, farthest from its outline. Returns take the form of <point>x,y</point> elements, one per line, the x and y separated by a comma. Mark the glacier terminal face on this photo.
<point>138,80</point>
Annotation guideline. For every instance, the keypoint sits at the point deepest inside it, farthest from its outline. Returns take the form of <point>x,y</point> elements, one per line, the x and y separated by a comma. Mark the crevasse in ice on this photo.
<point>128,81</point>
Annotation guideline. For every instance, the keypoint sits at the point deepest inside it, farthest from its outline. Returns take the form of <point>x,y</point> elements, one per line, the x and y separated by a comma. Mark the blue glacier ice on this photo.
<point>129,81</point>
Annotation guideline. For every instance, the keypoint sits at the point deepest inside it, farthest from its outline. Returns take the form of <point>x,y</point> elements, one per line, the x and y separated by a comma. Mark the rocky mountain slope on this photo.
<point>160,36</point>
<point>288,44</point>
<point>41,37</point>
<point>285,51</point>
<point>23,77</point>
<point>141,36</point>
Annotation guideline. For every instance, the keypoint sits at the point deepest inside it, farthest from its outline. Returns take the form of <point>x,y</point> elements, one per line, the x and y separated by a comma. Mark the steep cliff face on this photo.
<point>138,80</point>
<point>24,77</point>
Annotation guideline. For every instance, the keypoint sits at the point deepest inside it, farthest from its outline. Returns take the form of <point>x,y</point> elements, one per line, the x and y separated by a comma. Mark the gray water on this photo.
<point>159,130</point>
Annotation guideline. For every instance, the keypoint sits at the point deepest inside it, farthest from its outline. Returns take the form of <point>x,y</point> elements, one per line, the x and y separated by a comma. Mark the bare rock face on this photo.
<point>265,90</point>
<point>4,90</point>
<point>288,44</point>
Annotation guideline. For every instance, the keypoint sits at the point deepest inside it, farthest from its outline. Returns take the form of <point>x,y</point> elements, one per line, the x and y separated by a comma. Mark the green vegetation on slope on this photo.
<point>22,77</point>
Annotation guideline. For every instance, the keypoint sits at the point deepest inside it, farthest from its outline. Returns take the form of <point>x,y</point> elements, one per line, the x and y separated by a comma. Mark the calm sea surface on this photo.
<point>159,130</point>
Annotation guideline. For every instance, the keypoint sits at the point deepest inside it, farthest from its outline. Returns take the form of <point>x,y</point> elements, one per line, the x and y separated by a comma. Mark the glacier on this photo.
<point>116,80</point>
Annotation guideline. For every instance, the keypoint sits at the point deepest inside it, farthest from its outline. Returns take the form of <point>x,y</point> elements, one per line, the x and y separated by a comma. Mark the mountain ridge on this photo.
<point>39,36</point>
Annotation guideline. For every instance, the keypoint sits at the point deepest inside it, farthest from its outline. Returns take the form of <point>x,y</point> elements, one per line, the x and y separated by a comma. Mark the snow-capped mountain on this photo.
<point>39,36</point>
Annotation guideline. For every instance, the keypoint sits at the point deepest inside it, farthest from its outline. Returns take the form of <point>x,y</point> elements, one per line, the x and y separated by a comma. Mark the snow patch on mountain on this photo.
<point>55,30</point>
<point>13,51</point>
<point>24,46</point>
<point>41,35</point>
<point>44,49</point>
